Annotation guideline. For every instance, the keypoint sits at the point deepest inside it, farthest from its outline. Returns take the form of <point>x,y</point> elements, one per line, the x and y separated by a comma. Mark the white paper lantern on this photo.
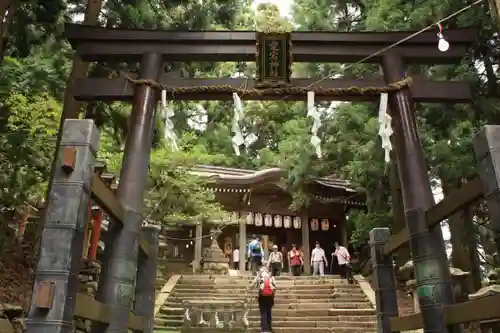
<point>250,218</point>
<point>234,216</point>
<point>268,220</point>
<point>297,222</point>
<point>325,224</point>
<point>278,221</point>
<point>287,222</point>
<point>258,219</point>
<point>314,224</point>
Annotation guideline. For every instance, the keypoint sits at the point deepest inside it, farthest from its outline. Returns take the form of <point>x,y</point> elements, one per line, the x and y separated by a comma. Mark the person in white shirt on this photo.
<point>236,258</point>
<point>318,260</point>
<point>275,262</point>
<point>343,258</point>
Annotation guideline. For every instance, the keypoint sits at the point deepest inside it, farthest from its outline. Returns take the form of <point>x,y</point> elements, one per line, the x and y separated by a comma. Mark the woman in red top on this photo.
<point>295,259</point>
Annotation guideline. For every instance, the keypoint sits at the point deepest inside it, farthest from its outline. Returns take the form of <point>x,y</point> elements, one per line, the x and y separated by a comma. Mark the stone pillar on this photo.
<point>117,281</point>
<point>243,244</point>
<point>305,243</point>
<point>344,236</point>
<point>67,215</point>
<point>198,246</point>
<point>383,279</point>
<point>427,247</point>
<point>145,290</point>
<point>265,246</point>
<point>487,151</point>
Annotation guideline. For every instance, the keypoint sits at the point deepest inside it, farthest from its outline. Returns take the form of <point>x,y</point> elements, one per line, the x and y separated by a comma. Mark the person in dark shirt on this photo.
<point>255,254</point>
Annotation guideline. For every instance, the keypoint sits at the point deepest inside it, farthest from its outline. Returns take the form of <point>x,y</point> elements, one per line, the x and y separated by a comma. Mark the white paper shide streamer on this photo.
<point>238,138</point>
<point>167,113</point>
<point>314,113</point>
<point>385,130</point>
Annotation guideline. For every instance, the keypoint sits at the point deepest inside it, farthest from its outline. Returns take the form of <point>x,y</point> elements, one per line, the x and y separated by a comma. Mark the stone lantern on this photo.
<point>214,260</point>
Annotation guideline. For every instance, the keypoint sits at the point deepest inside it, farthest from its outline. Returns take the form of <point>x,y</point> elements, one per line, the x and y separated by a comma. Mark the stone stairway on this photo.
<point>304,304</point>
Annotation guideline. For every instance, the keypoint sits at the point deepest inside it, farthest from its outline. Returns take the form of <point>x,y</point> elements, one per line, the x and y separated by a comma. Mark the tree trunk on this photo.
<point>71,107</point>
<point>7,12</point>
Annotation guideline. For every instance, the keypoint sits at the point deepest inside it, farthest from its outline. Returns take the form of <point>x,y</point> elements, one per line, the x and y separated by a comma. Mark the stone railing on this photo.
<point>489,325</point>
<point>221,314</point>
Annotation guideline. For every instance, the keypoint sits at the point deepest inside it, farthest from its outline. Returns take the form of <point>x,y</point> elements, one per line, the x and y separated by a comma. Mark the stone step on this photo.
<point>309,323</point>
<point>345,319</point>
<point>333,318</point>
<point>165,310</point>
<point>249,277</point>
<point>168,310</point>
<point>196,280</point>
<point>310,312</point>
<point>351,312</point>
<point>314,323</point>
<point>203,283</point>
<point>163,316</point>
<point>284,312</point>
<point>280,293</point>
<point>285,289</point>
<point>282,330</point>
<point>277,300</point>
<point>351,305</point>
<point>310,305</point>
<point>169,322</point>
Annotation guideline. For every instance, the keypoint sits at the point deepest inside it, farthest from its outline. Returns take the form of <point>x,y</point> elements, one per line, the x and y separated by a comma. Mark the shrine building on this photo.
<point>259,204</point>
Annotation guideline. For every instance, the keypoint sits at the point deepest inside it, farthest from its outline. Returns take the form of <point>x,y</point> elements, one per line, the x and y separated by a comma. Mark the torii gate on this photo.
<point>153,48</point>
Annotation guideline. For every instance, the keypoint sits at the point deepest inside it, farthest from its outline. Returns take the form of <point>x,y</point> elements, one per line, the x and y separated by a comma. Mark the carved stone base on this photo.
<point>215,268</point>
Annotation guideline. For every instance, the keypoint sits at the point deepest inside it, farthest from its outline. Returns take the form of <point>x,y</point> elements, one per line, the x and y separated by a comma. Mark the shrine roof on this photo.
<point>246,177</point>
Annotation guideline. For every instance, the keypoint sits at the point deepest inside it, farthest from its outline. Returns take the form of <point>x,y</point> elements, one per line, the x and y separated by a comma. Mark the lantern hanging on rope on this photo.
<point>250,219</point>
<point>234,217</point>
<point>314,224</point>
<point>278,221</point>
<point>297,222</point>
<point>287,222</point>
<point>258,220</point>
<point>325,224</point>
<point>268,220</point>
<point>443,44</point>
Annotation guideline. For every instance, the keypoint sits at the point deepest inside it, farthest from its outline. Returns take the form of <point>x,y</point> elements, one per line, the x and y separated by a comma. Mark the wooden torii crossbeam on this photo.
<point>103,44</point>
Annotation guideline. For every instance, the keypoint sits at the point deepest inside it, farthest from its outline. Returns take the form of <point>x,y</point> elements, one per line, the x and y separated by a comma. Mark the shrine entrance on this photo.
<point>273,56</point>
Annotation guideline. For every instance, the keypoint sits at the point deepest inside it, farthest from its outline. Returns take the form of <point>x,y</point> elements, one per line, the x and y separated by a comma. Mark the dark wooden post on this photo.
<point>427,247</point>
<point>117,281</point>
<point>54,291</point>
<point>145,289</point>
<point>487,151</point>
<point>384,279</point>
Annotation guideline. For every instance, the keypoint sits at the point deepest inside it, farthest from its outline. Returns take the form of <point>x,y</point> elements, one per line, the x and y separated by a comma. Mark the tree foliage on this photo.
<point>33,77</point>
